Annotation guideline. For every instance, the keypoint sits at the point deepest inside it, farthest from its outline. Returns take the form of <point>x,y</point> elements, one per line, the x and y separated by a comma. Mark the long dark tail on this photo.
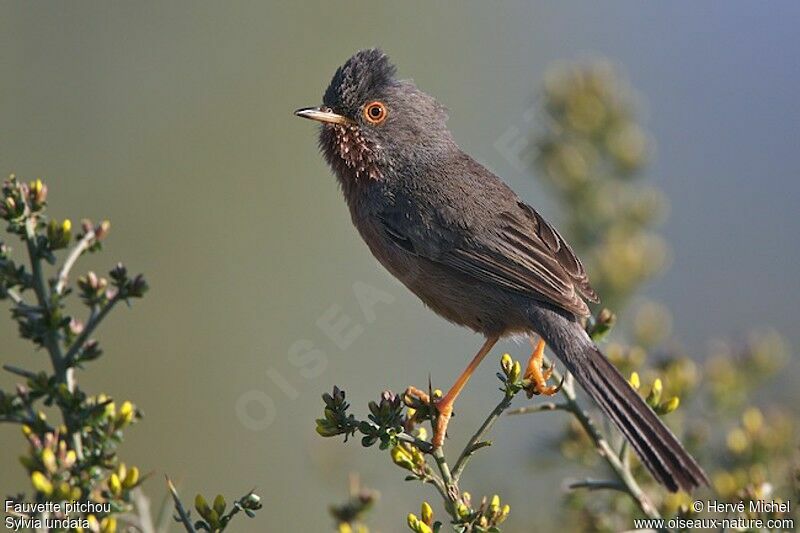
<point>658,448</point>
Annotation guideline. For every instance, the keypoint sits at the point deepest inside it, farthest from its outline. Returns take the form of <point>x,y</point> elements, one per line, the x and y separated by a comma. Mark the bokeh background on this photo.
<point>175,121</point>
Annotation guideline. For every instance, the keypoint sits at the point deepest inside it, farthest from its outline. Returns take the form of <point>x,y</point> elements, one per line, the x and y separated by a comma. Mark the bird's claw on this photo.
<point>538,375</point>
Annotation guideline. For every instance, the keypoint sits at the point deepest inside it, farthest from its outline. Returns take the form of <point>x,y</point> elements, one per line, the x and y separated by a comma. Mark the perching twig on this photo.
<point>475,443</point>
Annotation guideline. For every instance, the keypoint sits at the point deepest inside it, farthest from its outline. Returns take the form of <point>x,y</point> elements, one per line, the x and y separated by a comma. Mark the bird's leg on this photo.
<point>444,407</point>
<point>535,373</point>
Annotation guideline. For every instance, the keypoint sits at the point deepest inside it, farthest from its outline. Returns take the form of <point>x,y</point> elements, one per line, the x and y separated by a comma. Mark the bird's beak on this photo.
<point>322,114</point>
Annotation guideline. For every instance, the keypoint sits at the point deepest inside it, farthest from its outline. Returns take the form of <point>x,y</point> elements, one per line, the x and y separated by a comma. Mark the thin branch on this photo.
<point>15,419</point>
<point>20,372</point>
<point>36,263</point>
<point>598,484</point>
<point>182,514</point>
<point>448,487</point>
<point>476,441</point>
<point>538,408</point>
<point>76,251</point>
<point>444,468</point>
<point>94,320</point>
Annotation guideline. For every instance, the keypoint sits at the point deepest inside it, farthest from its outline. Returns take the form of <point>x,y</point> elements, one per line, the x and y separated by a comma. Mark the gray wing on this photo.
<point>518,251</point>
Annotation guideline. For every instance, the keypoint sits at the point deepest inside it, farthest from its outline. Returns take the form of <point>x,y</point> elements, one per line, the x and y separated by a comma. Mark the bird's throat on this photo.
<point>349,153</point>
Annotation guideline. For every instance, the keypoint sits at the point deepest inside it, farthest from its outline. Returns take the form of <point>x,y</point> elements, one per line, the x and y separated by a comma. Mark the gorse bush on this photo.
<point>78,480</point>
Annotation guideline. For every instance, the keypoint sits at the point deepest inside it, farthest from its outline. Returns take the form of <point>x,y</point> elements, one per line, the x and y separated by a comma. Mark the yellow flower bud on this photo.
<point>344,527</point>
<point>505,363</point>
<point>114,485</point>
<point>63,491</point>
<point>427,513</point>
<point>219,504</point>
<point>26,430</point>
<point>41,483</point>
<point>202,506</point>
<point>126,413</point>
<point>122,470</point>
<point>69,459</point>
<point>102,229</point>
<point>49,460</point>
<point>402,458</point>
<point>670,405</point>
<point>412,521</point>
<point>132,478</point>
<point>108,524</point>
<point>634,381</point>
<point>462,510</point>
<point>503,514</point>
<point>516,370</point>
<point>213,519</point>
<point>494,506</point>
<point>422,433</point>
<point>655,393</point>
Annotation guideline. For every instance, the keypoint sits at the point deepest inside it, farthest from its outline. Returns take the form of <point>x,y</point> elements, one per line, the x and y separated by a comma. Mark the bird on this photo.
<point>467,246</point>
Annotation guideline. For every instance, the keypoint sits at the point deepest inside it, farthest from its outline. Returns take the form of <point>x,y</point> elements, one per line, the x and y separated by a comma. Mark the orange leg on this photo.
<point>444,406</point>
<point>536,375</point>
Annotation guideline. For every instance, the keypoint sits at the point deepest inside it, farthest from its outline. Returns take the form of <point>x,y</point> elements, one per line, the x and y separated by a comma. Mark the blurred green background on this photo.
<point>175,121</point>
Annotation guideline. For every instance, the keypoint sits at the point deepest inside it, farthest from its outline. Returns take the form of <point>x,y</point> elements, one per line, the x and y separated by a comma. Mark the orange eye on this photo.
<point>375,112</point>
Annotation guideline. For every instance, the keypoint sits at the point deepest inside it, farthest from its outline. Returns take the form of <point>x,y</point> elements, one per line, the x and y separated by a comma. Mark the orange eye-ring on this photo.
<point>375,112</point>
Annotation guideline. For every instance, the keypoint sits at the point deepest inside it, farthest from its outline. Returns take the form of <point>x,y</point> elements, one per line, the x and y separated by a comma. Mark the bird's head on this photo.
<point>373,123</point>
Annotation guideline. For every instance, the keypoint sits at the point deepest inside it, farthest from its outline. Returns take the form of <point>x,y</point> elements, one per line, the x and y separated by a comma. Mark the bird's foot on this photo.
<point>538,375</point>
<point>440,409</point>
